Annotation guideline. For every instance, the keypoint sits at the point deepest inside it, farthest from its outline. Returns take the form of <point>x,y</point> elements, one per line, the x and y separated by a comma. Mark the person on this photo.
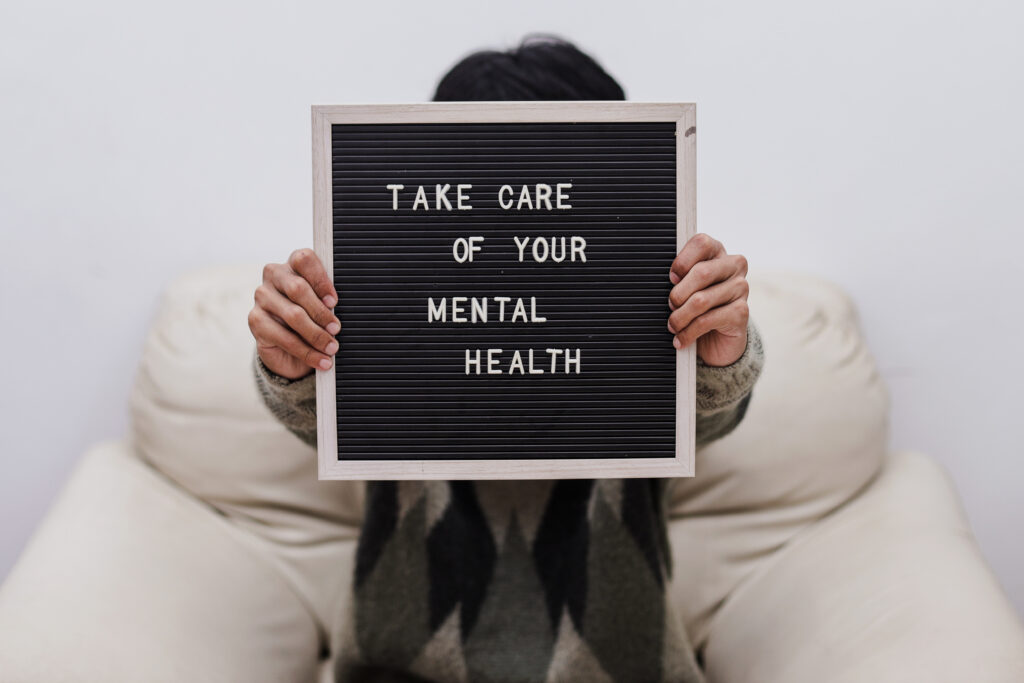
<point>498,581</point>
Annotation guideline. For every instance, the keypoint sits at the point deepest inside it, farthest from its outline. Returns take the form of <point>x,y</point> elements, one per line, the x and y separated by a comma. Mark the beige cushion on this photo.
<point>198,419</point>
<point>130,579</point>
<point>890,589</point>
<point>814,434</point>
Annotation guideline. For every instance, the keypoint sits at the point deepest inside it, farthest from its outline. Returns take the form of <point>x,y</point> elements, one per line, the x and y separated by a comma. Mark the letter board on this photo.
<point>502,271</point>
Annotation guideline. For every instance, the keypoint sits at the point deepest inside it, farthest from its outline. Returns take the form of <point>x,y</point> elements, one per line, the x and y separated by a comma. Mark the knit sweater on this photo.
<point>518,581</point>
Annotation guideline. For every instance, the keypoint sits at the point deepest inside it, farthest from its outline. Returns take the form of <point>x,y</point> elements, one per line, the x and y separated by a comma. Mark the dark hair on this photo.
<point>541,68</point>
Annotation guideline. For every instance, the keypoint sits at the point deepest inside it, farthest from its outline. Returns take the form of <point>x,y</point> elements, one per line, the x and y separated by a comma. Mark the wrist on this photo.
<point>743,343</point>
<point>275,378</point>
<point>720,386</point>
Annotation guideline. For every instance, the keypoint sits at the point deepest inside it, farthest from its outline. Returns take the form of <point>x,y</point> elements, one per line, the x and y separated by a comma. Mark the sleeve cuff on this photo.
<point>284,387</point>
<point>720,387</point>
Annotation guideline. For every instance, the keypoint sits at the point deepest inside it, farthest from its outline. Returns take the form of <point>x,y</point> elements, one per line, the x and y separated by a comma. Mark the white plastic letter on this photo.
<point>462,200</point>
<point>517,362</point>
<point>460,250</point>
<point>544,195</point>
<point>520,311</point>
<point>471,361</point>
<point>457,309</point>
<point>522,246</point>
<point>537,256</point>
<point>534,318</point>
<point>579,246</point>
<point>569,361</point>
<point>394,195</point>
<point>556,242</point>
<point>441,195</point>
<point>554,353</point>
<point>524,196</point>
<point>501,197</point>
<point>437,312</point>
<point>421,198</point>
<point>479,309</point>
<point>492,362</point>
<point>473,248</point>
<point>533,370</point>
<point>502,300</point>
<point>559,196</point>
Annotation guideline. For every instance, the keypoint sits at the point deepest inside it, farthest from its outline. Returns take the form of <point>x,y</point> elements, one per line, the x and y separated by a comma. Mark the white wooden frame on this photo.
<point>683,115</point>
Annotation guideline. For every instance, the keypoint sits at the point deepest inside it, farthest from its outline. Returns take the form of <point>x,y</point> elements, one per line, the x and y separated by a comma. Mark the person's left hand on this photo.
<point>709,300</point>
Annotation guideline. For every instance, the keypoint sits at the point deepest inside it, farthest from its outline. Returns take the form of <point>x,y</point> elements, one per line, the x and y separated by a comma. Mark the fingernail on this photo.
<point>333,327</point>
<point>331,348</point>
<point>676,343</point>
<point>325,364</point>
<point>673,277</point>
<point>330,301</point>
<point>670,328</point>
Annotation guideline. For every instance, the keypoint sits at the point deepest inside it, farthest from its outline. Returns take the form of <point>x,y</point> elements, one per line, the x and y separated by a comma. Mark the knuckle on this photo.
<point>323,339</point>
<point>293,287</point>
<point>741,262</point>
<point>301,256</point>
<point>294,317</point>
<point>744,287</point>
<point>321,315</point>
<point>293,347</point>
<point>702,239</point>
<point>673,320</point>
<point>258,324</point>
<point>699,300</point>
<point>268,271</point>
<point>259,296</point>
<point>742,308</point>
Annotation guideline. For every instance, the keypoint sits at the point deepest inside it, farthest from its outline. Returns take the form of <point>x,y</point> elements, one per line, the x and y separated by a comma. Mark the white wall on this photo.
<point>877,143</point>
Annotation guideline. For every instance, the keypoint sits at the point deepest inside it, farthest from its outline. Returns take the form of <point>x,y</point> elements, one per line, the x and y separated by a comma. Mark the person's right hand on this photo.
<point>293,320</point>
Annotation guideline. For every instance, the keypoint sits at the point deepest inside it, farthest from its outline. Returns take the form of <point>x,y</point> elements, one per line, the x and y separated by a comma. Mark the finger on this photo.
<point>702,301</point>
<point>269,332</point>
<point>730,317</point>
<point>295,318</point>
<point>701,276</point>
<point>298,290</point>
<point>700,247</point>
<point>306,263</point>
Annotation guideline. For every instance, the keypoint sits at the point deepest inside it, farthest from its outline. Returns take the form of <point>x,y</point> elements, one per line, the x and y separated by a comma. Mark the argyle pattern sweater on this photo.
<point>518,581</point>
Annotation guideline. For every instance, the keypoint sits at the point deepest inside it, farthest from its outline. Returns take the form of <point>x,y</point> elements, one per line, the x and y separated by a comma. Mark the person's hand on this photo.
<point>709,300</point>
<point>293,320</point>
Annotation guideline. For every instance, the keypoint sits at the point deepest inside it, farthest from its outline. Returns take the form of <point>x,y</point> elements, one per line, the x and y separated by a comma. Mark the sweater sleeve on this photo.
<point>292,401</point>
<point>723,394</point>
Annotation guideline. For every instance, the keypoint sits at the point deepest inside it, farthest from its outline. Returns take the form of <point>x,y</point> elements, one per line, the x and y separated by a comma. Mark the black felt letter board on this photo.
<point>503,290</point>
